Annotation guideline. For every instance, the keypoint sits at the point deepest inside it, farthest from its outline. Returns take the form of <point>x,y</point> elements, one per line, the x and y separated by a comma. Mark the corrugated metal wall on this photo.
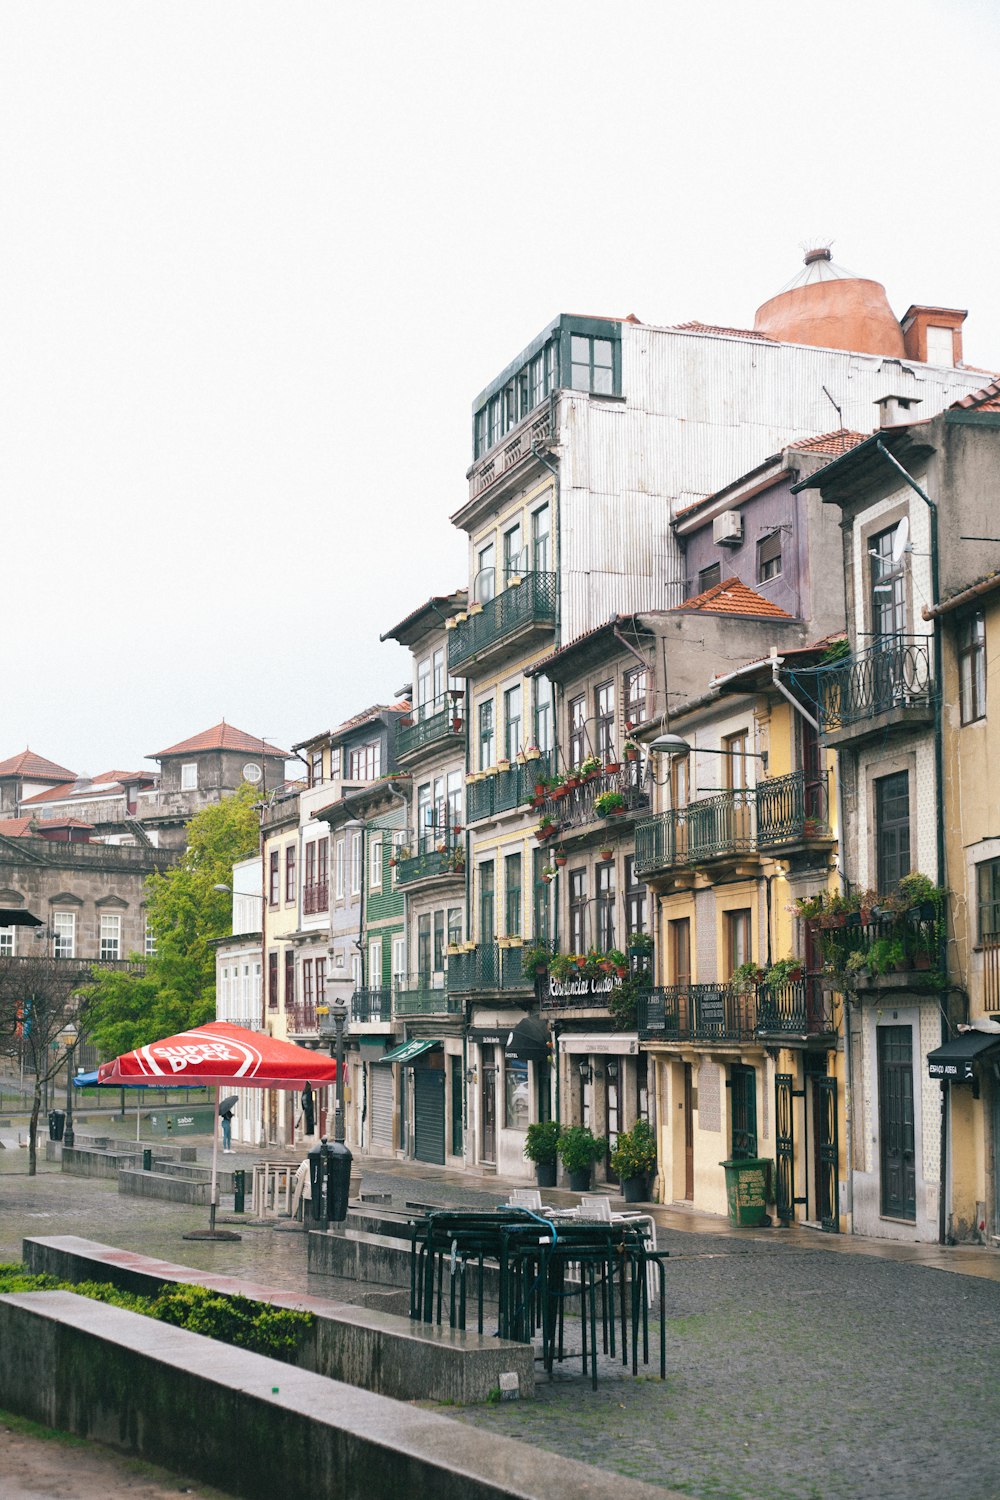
<point>699,411</point>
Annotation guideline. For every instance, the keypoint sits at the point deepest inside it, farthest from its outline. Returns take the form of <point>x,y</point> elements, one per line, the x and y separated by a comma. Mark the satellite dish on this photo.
<point>900,538</point>
<point>252,773</point>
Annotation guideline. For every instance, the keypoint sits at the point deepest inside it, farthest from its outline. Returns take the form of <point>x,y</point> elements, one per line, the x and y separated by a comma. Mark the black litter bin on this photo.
<point>57,1123</point>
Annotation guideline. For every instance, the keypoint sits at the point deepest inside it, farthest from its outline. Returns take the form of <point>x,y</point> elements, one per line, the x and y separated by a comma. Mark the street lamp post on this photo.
<point>69,1136</point>
<point>339,1160</point>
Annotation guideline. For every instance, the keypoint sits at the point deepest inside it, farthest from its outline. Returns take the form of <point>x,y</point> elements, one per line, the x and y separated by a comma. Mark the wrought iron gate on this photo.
<point>828,1185</point>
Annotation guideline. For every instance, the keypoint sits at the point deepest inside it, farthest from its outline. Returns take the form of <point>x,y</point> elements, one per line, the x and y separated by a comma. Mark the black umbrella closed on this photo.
<point>529,1040</point>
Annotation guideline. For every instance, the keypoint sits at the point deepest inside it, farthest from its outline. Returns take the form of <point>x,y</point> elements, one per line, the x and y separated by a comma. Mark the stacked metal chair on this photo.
<point>544,1266</point>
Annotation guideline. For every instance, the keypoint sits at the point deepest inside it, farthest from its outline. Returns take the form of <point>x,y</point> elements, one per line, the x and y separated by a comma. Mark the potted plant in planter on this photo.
<point>562,967</point>
<point>746,976</point>
<point>640,942</point>
<point>540,1146</point>
<point>612,767</point>
<point>784,971</point>
<point>609,804</point>
<point>590,766</point>
<point>535,959</point>
<point>546,828</point>
<point>631,750</point>
<point>606,854</point>
<point>560,856</point>
<point>578,1149</point>
<point>633,1159</point>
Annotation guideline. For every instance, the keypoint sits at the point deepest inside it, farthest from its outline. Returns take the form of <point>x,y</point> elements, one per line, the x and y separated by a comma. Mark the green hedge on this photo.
<point>276,1331</point>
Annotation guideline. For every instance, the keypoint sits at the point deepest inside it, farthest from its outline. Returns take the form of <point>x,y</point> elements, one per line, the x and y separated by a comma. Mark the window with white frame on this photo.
<point>111,936</point>
<point>543,714</point>
<point>399,960</point>
<point>365,762</point>
<point>8,942</point>
<point>398,844</point>
<point>339,868</point>
<point>375,964</point>
<point>355,864</point>
<point>64,934</point>
<point>148,939</point>
<point>189,776</point>
<point>375,863</point>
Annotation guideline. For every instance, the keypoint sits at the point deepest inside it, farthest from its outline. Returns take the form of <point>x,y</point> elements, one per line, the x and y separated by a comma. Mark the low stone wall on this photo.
<point>159,1185</point>
<point>380,1351</point>
<point>370,1257</point>
<point>254,1426</point>
<point>82,1162</point>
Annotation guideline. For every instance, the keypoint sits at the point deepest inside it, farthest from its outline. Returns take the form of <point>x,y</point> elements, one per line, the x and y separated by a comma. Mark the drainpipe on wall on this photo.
<point>939,783</point>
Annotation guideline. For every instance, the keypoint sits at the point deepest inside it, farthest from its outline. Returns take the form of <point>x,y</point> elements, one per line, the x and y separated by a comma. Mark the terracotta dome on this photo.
<point>831,308</point>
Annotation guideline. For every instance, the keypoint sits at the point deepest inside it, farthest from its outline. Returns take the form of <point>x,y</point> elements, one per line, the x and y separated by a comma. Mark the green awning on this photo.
<point>408,1052</point>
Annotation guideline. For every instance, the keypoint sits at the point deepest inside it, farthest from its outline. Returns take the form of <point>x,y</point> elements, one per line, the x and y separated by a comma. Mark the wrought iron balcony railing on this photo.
<point>442,858</point>
<point>698,1012</point>
<point>315,897</point>
<point>504,791</point>
<point>783,810</point>
<point>530,602</point>
<point>488,967</point>
<point>302,1016</point>
<point>798,1008</point>
<point>428,729</point>
<point>418,996</point>
<point>895,673</point>
<point>573,806</point>
<point>371,1005</point>
<point>991,970</point>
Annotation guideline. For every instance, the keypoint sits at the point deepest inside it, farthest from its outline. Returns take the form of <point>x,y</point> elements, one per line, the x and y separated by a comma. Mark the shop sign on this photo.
<point>582,986</point>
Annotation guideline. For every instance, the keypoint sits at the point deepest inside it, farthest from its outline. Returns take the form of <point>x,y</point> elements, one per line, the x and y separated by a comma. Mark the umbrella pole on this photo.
<point>215,1160</point>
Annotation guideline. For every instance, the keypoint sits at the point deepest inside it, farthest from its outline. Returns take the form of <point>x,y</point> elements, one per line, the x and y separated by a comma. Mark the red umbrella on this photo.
<point>220,1053</point>
<point>224,1055</point>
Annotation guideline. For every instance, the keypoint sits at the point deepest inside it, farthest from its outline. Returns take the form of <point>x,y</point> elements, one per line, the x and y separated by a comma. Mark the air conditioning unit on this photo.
<point>727,529</point>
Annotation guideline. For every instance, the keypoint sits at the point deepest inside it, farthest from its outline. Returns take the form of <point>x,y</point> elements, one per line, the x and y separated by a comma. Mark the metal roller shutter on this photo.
<point>380,1097</point>
<point>428,1115</point>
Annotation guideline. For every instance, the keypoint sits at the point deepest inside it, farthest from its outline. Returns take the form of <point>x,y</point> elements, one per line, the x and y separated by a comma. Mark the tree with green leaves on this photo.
<point>186,915</point>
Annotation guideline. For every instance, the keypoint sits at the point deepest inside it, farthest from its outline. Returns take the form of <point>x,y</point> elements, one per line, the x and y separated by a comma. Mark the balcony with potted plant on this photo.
<point>890,942</point>
<point>585,796</point>
<point>429,727</point>
<point>510,790</point>
<point>515,621</point>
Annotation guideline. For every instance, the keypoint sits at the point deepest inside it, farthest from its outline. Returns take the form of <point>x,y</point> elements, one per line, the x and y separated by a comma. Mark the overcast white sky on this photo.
<point>256,260</point>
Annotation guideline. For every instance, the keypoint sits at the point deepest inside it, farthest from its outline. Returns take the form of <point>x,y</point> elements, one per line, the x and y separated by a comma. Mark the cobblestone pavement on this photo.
<point>800,1367</point>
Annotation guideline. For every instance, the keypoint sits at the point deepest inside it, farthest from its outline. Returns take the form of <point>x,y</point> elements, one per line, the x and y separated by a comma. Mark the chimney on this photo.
<point>894,411</point>
<point>933,335</point>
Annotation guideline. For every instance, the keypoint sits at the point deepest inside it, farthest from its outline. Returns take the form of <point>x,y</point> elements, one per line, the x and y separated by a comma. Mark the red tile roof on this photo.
<point>222,736</point>
<point>35,768</point>
<point>835,443</point>
<point>90,786</point>
<point>987,399</point>
<point>15,828</point>
<point>732,597</point>
<point>733,333</point>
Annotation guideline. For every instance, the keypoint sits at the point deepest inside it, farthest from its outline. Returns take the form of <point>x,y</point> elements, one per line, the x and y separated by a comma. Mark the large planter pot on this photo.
<point>579,1182</point>
<point>634,1189</point>
<point>545,1174</point>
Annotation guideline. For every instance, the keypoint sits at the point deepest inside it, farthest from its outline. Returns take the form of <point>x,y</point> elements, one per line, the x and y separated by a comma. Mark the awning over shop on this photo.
<point>408,1052</point>
<point>619,1044</point>
<point>493,1026</point>
<point>953,1060</point>
<point>528,1041</point>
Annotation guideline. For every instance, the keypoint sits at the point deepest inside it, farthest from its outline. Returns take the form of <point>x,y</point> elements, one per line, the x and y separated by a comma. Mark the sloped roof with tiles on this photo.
<point>35,768</point>
<point>222,736</point>
<point>830,442</point>
<point>15,828</point>
<point>731,597</point>
<point>732,333</point>
<point>107,784</point>
<point>988,399</point>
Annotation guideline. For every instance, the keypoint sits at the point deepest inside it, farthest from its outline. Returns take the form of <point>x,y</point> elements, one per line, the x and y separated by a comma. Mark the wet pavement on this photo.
<point>799,1364</point>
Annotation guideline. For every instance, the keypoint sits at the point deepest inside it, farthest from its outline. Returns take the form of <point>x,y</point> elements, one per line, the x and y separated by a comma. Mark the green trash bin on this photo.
<point>748,1190</point>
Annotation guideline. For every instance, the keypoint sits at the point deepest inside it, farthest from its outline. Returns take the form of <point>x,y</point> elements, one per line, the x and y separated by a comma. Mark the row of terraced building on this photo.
<point>685,813</point>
